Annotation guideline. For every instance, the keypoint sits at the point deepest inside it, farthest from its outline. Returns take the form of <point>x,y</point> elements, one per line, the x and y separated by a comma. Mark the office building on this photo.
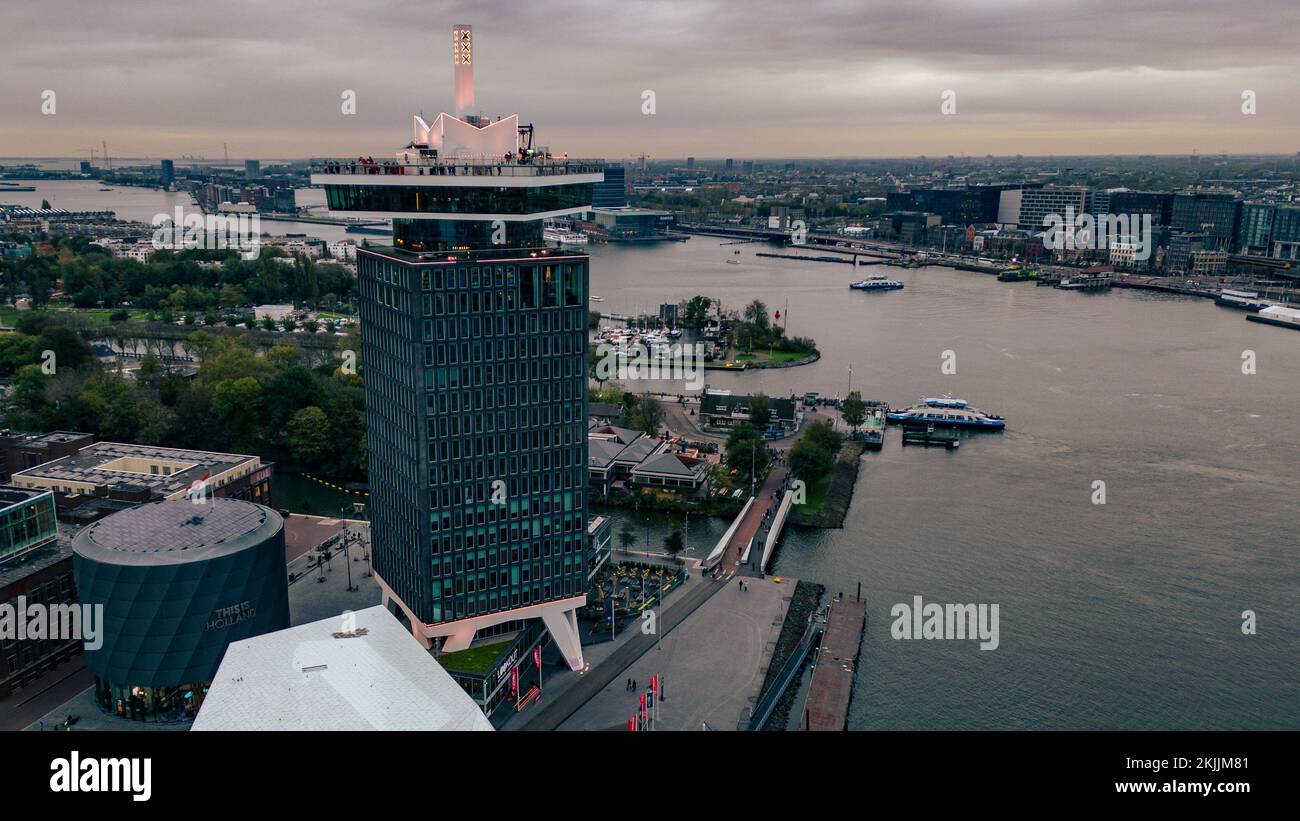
<point>1156,204</point>
<point>167,174</point>
<point>474,337</point>
<point>35,569</point>
<point>1037,203</point>
<point>252,169</point>
<point>1211,214</point>
<point>632,223</point>
<point>612,192</point>
<point>955,206</point>
<point>1285,239</point>
<point>1255,230</point>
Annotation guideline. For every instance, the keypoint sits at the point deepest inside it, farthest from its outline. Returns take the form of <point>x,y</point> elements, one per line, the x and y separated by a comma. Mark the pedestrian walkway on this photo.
<point>757,520</point>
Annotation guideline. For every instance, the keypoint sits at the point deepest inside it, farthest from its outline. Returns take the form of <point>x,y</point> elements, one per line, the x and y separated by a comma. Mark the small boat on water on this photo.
<point>1018,273</point>
<point>1243,300</point>
<point>595,298</point>
<point>947,413</point>
<point>876,283</point>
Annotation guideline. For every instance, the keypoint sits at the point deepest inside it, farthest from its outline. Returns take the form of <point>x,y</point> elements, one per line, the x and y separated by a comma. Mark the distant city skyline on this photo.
<point>744,80</point>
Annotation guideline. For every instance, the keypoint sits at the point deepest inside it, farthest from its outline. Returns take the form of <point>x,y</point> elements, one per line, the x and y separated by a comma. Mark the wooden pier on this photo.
<point>837,660</point>
<point>930,437</point>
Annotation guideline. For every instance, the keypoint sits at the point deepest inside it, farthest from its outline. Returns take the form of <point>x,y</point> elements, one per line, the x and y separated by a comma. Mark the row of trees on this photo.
<point>173,281</point>
<point>271,404</point>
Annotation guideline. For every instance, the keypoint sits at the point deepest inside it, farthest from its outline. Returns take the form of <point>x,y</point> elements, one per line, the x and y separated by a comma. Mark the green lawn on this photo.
<point>816,495</point>
<point>476,660</point>
<point>102,314</point>
<point>762,356</point>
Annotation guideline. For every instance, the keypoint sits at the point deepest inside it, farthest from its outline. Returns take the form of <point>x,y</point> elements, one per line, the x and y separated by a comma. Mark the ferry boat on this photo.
<point>1088,279</point>
<point>1245,300</point>
<point>876,283</point>
<point>1018,273</point>
<point>563,236</point>
<point>947,413</point>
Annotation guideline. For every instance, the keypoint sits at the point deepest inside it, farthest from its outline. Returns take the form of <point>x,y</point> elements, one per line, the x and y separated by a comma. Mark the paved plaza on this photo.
<point>713,663</point>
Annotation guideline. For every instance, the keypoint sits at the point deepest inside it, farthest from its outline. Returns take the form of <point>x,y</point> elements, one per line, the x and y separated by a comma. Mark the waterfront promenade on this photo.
<point>713,664</point>
<point>554,713</point>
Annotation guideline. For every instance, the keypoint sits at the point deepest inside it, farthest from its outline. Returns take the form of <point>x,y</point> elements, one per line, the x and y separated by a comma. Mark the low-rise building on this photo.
<point>20,450</point>
<point>722,410</point>
<point>672,471</point>
<point>357,671</point>
<point>140,473</point>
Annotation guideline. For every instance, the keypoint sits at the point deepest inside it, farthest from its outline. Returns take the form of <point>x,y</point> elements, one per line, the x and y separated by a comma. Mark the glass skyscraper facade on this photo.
<point>476,398</point>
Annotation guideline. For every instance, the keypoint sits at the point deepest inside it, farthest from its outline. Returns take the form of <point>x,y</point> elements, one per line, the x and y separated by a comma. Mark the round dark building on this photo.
<point>178,582</point>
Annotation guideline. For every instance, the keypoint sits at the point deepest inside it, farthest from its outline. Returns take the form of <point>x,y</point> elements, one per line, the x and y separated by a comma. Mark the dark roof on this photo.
<point>604,409</point>
<point>672,463</point>
<point>716,404</point>
<point>94,465</point>
<point>177,532</point>
<point>42,557</point>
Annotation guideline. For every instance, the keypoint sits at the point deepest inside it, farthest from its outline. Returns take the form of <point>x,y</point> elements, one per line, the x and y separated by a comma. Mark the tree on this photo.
<point>237,412</point>
<point>626,536</point>
<point>760,411</point>
<point>824,436</point>
<point>309,436</point>
<point>809,461</point>
<point>746,451</point>
<point>643,414</point>
<point>853,410</point>
<point>756,314</point>
<point>697,309</point>
<point>674,542</point>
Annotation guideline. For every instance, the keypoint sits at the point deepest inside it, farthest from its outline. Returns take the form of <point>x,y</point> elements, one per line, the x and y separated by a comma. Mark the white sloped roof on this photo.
<point>359,671</point>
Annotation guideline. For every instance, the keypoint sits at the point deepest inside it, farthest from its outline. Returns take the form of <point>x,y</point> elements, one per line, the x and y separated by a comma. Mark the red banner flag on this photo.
<point>654,684</point>
<point>537,656</point>
<point>631,724</point>
<point>643,712</point>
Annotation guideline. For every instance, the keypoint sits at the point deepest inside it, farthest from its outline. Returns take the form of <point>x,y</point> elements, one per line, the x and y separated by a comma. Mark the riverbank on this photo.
<point>838,494</point>
<point>804,602</point>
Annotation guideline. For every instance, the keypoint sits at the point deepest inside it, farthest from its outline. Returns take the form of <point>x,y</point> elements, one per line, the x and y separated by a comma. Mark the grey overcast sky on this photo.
<point>749,78</point>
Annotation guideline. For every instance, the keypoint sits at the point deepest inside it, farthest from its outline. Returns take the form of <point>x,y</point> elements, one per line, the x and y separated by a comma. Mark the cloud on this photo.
<point>744,78</point>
